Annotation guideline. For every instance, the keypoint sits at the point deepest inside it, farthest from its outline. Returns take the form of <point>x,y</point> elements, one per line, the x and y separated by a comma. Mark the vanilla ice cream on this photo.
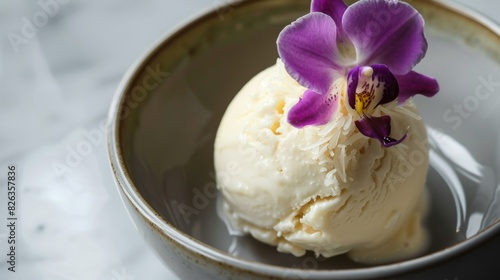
<point>328,189</point>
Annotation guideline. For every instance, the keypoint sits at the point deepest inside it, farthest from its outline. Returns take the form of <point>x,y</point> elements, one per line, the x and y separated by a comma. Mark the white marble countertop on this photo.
<point>60,64</point>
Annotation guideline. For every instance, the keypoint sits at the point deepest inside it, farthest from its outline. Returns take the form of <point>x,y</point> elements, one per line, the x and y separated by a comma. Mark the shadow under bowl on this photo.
<point>167,110</point>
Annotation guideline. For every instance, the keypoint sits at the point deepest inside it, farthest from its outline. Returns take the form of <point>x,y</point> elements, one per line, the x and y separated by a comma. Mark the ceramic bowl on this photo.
<point>166,112</point>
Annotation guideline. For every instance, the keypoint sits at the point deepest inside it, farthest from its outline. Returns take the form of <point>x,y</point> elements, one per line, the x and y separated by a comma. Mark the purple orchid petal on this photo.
<point>335,9</point>
<point>415,83</point>
<point>313,109</point>
<point>376,83</point>
<point>386,32</point>
<point>309,51</point>
<point>378,128</point>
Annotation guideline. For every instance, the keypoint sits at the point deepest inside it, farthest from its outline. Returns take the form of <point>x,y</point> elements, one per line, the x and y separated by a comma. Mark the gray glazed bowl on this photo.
<point>166,112</point>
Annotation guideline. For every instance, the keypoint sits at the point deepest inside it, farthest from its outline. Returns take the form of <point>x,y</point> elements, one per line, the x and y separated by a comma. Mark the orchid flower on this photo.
<point>372,45</point>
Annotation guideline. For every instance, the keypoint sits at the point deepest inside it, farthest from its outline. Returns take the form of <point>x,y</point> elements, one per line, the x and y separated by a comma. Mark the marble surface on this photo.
<point>60,64</point>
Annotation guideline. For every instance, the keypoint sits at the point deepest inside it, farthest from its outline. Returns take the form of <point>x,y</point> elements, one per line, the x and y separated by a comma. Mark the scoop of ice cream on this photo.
<point>327,189</point>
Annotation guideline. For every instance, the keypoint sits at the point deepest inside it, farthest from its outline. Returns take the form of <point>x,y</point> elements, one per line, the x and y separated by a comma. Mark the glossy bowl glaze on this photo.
<point>166,112</point>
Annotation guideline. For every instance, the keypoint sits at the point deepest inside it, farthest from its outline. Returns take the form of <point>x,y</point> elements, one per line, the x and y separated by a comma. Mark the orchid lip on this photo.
<point>389,142</point>
<point>378,128</point>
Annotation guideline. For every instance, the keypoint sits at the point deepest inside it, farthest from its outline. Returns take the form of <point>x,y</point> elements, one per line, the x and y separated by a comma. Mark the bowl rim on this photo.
<point>127,188</point>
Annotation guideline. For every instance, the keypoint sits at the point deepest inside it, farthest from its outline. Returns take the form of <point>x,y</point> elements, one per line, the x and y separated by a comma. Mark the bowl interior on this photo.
<point>171,108</point>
